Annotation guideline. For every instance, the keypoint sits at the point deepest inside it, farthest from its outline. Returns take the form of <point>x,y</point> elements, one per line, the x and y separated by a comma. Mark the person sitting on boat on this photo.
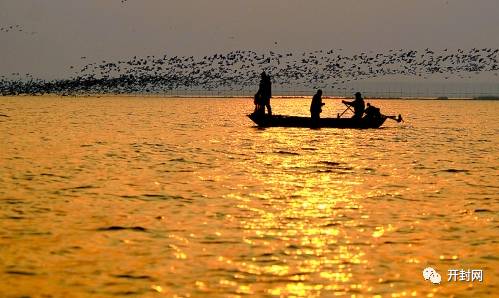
<point>316,106</point>
<point>358,105</point>
<point>372,112</point>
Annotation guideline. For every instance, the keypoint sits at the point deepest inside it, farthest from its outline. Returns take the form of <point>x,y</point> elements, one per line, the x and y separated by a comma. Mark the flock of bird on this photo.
<point>15,28</point>
<point>240,70</point>
<point>11,28</point>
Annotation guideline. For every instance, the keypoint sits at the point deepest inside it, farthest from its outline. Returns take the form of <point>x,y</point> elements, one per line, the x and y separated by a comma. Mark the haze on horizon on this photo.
<point>57,34</point>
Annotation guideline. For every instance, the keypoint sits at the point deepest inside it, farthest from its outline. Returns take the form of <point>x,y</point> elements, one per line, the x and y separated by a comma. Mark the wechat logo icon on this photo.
<point>432,275</point>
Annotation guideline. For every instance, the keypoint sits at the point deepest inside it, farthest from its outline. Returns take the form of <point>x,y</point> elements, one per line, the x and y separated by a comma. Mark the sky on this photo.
<point>58,33</point>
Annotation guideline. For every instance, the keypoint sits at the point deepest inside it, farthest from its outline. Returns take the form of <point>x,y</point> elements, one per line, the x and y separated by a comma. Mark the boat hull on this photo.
<point>296,121</point>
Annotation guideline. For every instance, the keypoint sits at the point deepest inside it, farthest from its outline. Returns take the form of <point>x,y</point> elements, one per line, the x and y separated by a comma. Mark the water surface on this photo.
<point>153,197</point>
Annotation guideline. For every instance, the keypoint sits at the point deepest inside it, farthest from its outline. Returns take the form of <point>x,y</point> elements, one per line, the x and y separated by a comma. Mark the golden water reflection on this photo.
<point>138,197</point>
<point>300,226</point>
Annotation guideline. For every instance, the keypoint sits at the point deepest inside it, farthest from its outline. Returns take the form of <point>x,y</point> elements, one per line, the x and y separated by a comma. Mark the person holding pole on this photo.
<point>357,104</point>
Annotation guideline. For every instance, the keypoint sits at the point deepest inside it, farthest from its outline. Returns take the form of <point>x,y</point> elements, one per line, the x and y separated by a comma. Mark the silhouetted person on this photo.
<point>372,112</point>
<point>316,107</point>
<point>265,92</point>
<point>268,94</point>
<point>259,102</point>
<point>358,105</point>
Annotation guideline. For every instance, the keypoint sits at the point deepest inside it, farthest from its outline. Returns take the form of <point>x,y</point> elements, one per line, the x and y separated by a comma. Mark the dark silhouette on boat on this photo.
<point>358,105</point>
<point>297,121</point>
<point>316,108</point>
<point>263,95</point>
<point>370,118</point>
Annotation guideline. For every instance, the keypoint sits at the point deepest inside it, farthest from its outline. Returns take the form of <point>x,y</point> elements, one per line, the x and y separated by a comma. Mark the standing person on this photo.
<point>316,107</point>
<point>358,105</point>
<point>260,96</point>
<point>267,92</point>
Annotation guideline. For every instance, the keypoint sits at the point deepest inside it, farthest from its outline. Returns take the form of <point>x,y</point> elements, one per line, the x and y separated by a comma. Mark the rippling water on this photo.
<point>151,197</point>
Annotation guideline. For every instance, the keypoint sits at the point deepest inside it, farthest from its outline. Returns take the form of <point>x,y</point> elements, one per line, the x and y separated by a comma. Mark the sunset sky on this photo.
<point>57,33</point>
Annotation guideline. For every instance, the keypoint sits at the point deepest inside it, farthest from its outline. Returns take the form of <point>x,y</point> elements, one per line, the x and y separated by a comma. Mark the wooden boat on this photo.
<point>296,121</point>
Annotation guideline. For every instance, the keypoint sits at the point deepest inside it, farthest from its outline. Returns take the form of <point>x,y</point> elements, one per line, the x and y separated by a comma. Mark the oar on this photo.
<point>348,108</point>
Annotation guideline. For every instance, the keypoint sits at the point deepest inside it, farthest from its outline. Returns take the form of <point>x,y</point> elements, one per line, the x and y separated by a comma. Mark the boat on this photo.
<point>297,121</point>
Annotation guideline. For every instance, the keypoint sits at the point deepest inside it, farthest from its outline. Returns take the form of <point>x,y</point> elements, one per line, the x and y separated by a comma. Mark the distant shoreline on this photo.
<point>481,98</point>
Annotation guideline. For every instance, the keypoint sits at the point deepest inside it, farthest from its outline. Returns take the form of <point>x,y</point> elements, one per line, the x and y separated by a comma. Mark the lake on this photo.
<point>162,197</point>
